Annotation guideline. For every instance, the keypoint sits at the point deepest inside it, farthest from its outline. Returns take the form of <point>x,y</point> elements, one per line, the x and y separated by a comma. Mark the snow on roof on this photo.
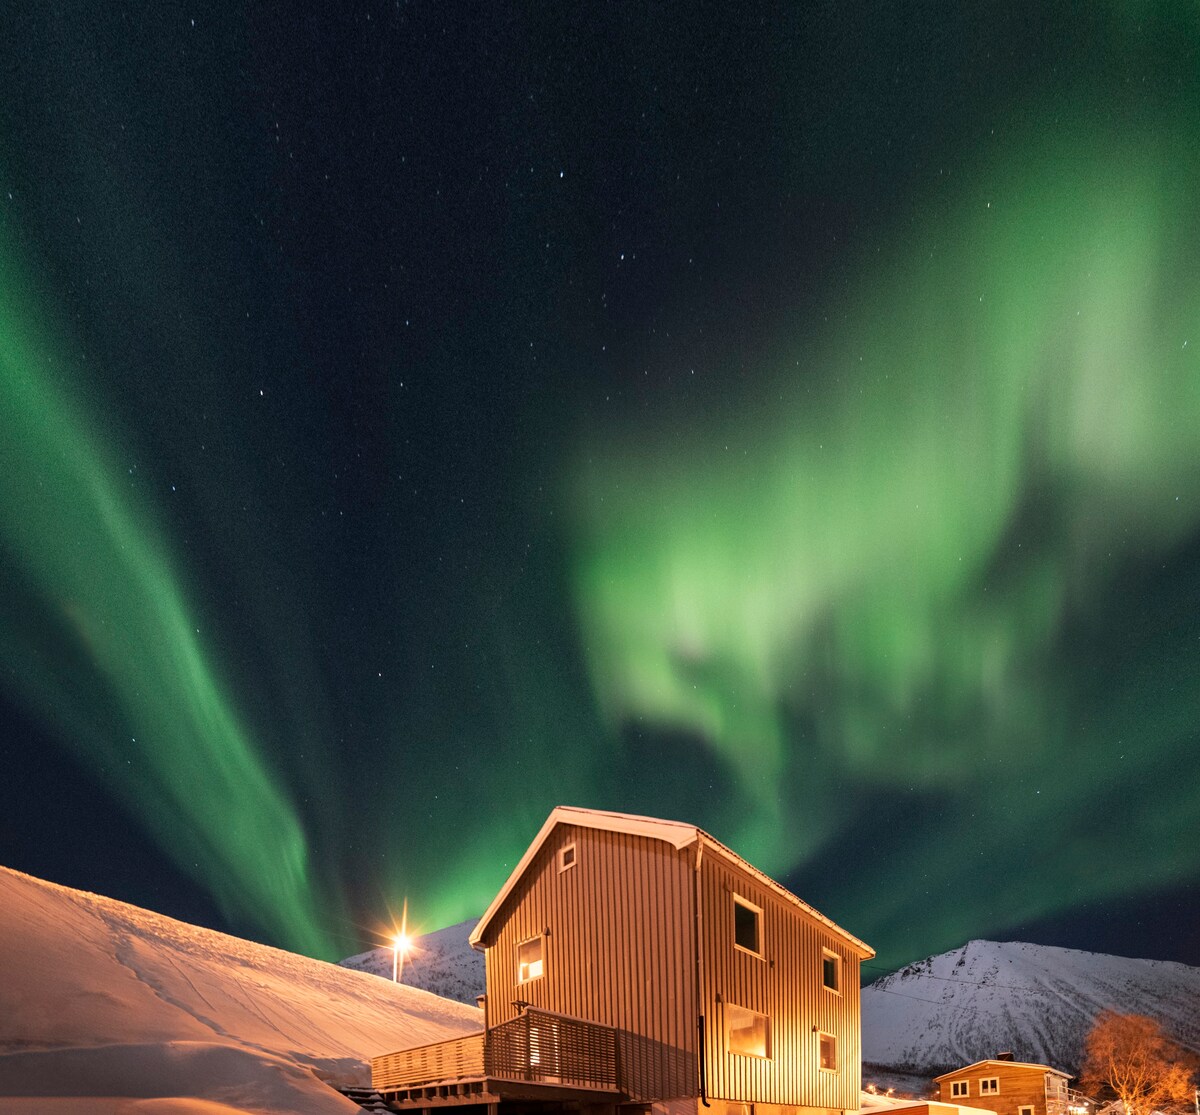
<point>999,1061</point>
<point>676,833</point>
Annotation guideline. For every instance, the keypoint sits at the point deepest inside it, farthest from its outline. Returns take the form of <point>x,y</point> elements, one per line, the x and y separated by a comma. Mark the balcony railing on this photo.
<point>460,1059</point>
<point>536,1046</point>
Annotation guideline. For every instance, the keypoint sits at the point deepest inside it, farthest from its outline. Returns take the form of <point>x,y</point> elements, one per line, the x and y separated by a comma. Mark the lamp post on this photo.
<point>400,943</point>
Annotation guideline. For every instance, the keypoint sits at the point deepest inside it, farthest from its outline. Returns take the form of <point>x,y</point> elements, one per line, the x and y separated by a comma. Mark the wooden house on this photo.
<point>1007,1087</point>
<point>632,962</point>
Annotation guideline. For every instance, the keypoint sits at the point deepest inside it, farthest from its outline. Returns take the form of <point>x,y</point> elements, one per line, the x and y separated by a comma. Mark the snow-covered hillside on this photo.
<point>1034,1000</point>
<point>102,1003</point>
<point>442,962</point>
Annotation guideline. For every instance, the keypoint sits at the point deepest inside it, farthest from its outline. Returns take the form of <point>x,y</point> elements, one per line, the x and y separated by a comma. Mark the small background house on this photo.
<point>1007,1087</point>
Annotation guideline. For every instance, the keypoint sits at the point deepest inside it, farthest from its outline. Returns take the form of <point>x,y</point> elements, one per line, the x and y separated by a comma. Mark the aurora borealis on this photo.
<point>783,421</point>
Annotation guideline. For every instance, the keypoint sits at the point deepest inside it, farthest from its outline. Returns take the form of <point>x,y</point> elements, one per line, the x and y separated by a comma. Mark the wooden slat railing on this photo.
<point>536,1046</point>
<point>552,1048</point>
<point>459,1059</point>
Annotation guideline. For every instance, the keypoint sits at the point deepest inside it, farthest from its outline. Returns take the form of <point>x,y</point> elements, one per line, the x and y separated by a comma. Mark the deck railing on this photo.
<point>535,1046</point>
<point>459,1059</point>
<point>553,1048</point>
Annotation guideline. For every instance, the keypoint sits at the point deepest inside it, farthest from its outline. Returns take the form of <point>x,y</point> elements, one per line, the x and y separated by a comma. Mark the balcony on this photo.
<point>538,1055</point>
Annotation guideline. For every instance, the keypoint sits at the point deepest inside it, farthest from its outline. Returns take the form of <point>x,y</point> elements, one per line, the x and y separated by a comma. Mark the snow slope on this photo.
<point>105,1007</point>
<point>442,962</point>
<point>1037,1001</point>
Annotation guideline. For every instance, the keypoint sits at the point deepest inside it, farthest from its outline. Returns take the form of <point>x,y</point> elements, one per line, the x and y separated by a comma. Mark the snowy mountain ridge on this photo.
<point>441,962</point>
<point>1038,1001</point>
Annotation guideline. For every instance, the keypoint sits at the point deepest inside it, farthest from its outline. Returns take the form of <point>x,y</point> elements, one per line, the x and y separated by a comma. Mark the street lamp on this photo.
<point>400,944</point>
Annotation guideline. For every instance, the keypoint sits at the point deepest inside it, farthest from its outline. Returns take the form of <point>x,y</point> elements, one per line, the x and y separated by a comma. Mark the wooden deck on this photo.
<point>536,1056</point>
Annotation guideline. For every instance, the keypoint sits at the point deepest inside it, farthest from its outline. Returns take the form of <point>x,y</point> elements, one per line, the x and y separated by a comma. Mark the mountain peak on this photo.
<point>1038,1001</point>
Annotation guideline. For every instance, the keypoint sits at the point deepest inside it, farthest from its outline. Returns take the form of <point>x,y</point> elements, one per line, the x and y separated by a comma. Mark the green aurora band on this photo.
<point>870,578</point>
<point>141,702</point>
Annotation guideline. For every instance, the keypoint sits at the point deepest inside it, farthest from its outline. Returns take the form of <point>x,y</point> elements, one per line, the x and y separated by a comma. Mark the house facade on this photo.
<point>632,962</point>
<point>1007,1087</point>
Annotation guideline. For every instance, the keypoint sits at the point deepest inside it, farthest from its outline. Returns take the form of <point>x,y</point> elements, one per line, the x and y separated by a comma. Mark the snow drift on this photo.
<point>105,1007</point>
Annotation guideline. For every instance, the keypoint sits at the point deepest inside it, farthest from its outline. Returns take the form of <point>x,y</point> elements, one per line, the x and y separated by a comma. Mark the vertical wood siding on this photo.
<point>786,985</point>
<point>618,950</point>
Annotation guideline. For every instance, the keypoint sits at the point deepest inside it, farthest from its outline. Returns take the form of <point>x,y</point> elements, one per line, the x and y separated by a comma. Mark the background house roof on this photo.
<point>995,1061</point>
<point>676,833</point>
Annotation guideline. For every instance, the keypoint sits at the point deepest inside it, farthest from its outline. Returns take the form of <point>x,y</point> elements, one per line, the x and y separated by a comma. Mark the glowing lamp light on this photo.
<point>400,947</point>
<point>401,943</point>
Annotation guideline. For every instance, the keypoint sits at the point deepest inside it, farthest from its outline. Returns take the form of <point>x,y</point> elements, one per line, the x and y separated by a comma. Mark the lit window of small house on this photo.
<point>749,1032</point>
<point>960,1089</point>
<point>990,1086</point>
<point>566,858</point>
<point>831,970</point>
<point>747,926</point>
<point>530,960</point>
<point>829,1060</point>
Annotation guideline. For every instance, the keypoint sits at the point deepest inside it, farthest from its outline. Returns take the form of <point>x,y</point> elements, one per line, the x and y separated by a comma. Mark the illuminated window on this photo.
<point>990,1086</point>
<point>960,1089</point>
<point>530,962</point>
<point>746,919</point>
<point>831,970</point>
<point>566,858</point>
<point>829,1060</point>
<point>749,1032</point>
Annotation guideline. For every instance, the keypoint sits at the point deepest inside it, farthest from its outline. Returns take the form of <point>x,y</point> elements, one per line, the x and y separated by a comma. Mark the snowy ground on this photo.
<point>107,1008</point>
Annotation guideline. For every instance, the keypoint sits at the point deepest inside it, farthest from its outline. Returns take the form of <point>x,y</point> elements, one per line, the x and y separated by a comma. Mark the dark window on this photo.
<point>831,970</point>
<point>745,925</point>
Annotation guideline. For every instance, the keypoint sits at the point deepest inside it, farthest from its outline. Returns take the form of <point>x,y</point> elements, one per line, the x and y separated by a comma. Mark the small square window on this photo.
<point>566,858</point>
<point>749,1032</point>
<point>746,920</point>
<point>1025,1109</point>
<point>530,960</point>
<point>831,970</point>
<point>989,1086</point>
<point>829,1060</point>
<point>960,1089</point>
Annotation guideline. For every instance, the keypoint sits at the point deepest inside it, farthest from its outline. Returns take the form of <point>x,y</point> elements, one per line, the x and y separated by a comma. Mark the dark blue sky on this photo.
<point>779,418</point>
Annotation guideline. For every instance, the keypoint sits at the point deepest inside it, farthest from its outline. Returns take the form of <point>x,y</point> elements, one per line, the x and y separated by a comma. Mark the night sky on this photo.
<point>783,418</point>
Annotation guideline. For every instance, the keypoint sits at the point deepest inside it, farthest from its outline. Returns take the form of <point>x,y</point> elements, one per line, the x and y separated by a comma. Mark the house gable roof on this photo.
<point>1002,1064</point>
<point>675,833</point>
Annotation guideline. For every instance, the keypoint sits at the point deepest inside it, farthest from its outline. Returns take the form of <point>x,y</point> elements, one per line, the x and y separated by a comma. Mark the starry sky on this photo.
<point>779,417</point>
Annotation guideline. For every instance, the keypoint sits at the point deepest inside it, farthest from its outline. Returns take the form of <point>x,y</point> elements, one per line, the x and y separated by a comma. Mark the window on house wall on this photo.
<point>566,858</point>
<point>989,1086</point>
<point>829,1056</point>
<point>960,1089</point>
<point>747,926</point>
<point>1025,1109</point>
<point>531,962</point>
<point>749,1032</point>
<point>831,970</point>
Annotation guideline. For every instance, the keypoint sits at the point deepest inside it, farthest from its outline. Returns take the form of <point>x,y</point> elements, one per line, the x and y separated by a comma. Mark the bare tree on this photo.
<point>1129,1057</point>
